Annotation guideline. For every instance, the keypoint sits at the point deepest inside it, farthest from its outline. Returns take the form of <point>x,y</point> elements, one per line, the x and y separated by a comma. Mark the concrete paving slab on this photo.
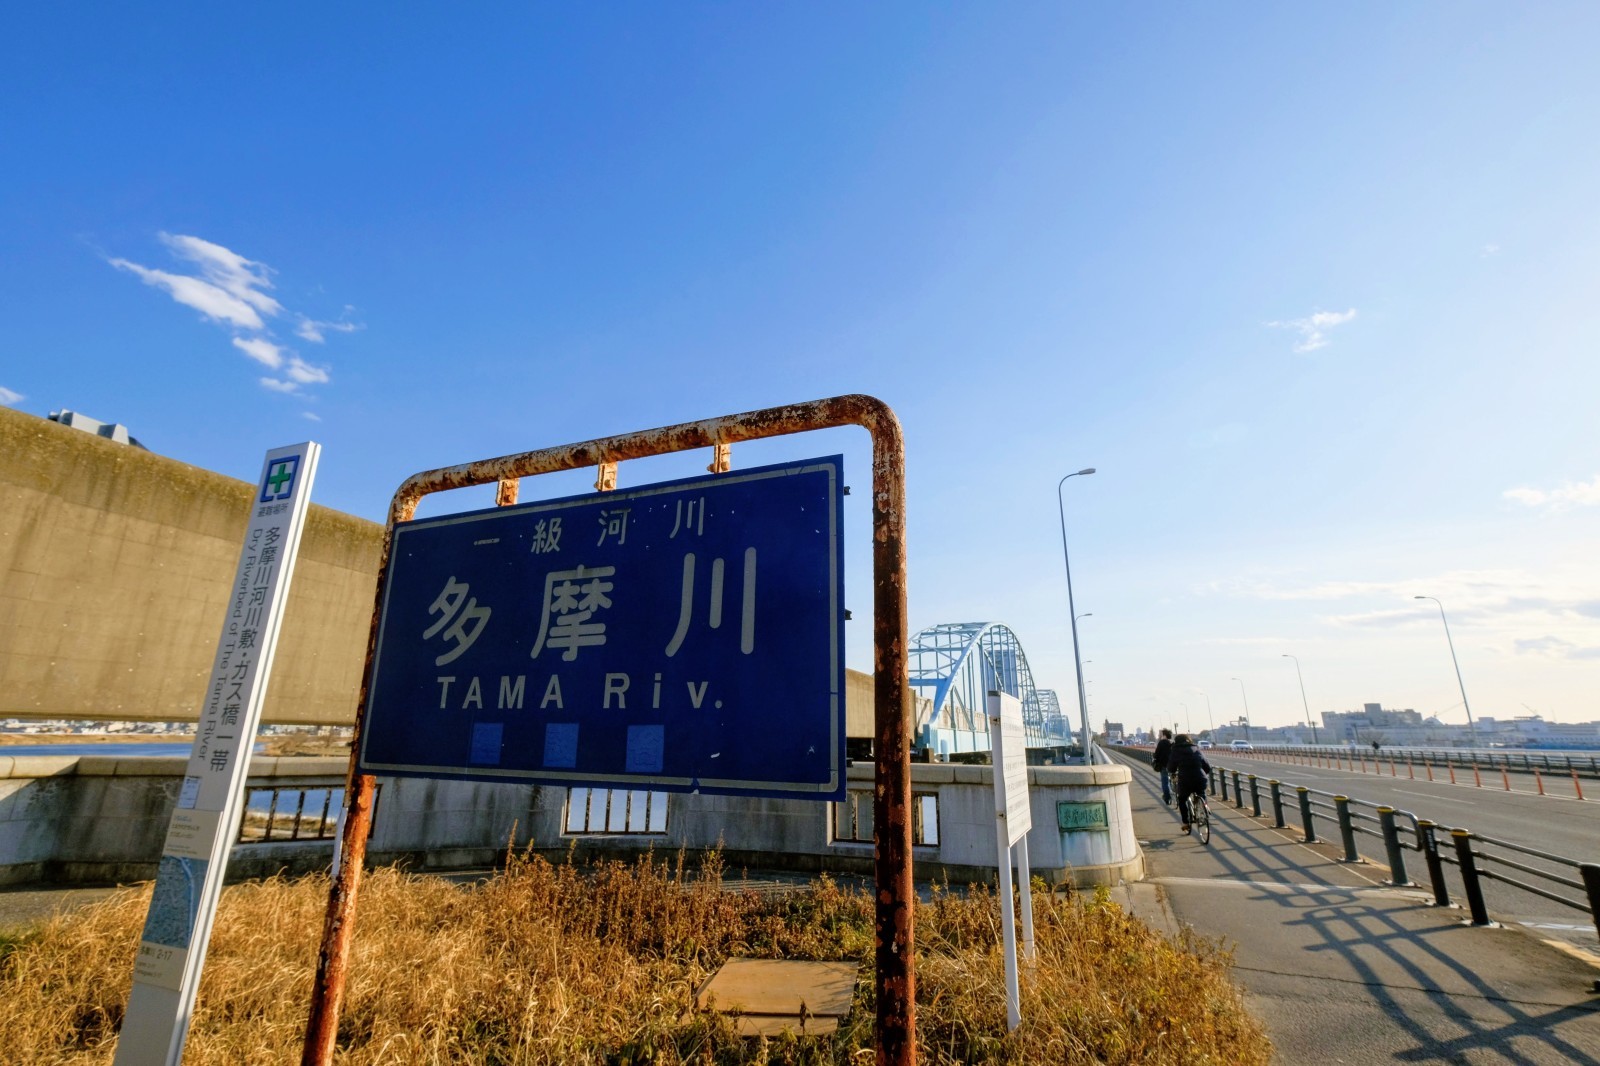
<point>771,995</point>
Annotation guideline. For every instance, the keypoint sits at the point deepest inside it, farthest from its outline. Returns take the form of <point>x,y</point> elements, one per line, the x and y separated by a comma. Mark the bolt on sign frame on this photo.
<point>895,977</point>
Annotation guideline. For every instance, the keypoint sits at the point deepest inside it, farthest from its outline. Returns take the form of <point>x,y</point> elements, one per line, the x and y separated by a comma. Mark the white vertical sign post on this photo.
<point>1013,813</point>
<point>172,948</point>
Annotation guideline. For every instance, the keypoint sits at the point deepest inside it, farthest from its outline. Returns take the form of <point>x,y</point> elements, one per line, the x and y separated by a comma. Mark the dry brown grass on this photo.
<point>554,963</point>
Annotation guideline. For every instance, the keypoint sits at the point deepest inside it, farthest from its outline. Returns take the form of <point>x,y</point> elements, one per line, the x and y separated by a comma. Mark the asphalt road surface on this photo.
<point>1343,968</point>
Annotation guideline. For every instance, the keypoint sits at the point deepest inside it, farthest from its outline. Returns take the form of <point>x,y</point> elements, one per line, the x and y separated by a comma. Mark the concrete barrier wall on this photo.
<point>67,820</point>
<point>115,565</point>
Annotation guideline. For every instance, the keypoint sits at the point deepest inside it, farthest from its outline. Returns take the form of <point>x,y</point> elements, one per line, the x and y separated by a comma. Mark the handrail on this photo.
<point>1584,763</point>
<point>1424,834</point>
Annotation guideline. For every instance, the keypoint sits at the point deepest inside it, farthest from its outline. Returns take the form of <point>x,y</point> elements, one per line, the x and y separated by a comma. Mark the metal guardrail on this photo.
<point>1584,765</point>
<point>1469,852</point>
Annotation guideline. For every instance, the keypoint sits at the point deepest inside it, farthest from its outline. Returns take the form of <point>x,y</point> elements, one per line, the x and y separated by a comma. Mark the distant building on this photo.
<point>113,431</point>
<point>1114,732</point>
<point>1366,725</point>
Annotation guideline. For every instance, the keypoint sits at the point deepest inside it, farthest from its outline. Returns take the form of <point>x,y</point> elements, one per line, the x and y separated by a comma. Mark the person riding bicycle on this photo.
<point>1158,759</point>
<point>1191,771</point>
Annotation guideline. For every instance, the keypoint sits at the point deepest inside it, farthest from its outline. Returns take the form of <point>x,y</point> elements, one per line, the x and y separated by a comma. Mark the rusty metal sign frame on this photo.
<point>895,979</point>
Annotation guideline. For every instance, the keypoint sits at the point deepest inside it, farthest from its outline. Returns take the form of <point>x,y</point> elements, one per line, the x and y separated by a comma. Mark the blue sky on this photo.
<point>1315,289</point>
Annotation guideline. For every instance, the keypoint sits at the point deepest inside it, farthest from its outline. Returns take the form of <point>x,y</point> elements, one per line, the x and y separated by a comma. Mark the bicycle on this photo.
<point>1200,816</point>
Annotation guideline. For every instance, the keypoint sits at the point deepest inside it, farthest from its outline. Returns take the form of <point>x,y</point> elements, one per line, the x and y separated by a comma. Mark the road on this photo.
<point>1345,969</point>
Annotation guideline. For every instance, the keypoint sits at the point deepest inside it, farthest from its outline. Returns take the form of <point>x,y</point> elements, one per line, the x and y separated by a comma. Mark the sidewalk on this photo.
<point>1345,969</point>
<point>23,908</point>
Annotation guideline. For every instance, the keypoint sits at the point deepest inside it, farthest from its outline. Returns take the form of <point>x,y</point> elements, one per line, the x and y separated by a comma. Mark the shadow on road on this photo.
<point>1352,970</point>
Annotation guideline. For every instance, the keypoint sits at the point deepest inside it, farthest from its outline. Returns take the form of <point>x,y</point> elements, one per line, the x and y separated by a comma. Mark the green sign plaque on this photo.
<point>1079,817</point>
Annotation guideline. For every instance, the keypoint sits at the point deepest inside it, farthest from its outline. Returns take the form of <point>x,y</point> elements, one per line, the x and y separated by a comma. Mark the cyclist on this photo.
<point>1190,768</point>
<point>1158,759</point>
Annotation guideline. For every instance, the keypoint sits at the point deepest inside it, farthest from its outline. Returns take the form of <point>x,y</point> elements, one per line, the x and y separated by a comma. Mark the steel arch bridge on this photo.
<point>955,666</point>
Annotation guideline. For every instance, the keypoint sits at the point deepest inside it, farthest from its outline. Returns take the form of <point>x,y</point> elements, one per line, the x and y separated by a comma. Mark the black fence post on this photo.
<point>1347,829</point>
<point>1391,844</point>
<point>1277,803</point>
<point>1238,793</point>
<point>1255,796</point>
<point>1469,876</point>
<point>1211,779</point>
<point>1430,855</point>
<point>1591,884</point>
<point>1305,813</point>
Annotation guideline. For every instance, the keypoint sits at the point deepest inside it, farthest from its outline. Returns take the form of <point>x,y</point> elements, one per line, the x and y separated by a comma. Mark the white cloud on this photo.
<point>8,397</point>
<point>1314,328</point>
<point>312,415</point>
<point>315,332</point>
<point>1489,249</point>
<point>1237,642</point>
<point>1556,648</point>
<point>242,278</point>
<point>262,351</point>
<point>1568,494</point>
<point>215,303</point>
<point>234,292</point>
<point>303,372</point>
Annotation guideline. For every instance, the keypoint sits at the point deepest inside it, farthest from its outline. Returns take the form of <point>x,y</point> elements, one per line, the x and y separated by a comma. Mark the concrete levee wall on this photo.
<point>67,820</point>
<point>115,569</point>
<point>115,566</point>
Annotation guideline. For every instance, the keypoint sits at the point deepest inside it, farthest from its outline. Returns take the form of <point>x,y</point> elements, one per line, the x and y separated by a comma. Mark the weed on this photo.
<point>568,963</point>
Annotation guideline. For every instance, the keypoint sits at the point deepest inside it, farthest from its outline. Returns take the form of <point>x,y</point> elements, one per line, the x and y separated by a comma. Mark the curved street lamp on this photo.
<point>1471,728</point>
<point>1303,702</point>
<point>1246,709</point>
<point>1083,703</point>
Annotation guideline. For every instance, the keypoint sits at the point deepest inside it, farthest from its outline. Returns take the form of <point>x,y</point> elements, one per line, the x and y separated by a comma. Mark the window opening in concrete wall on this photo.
<point>616,810</point>
<point>852,818</point>
<point>293,814</point>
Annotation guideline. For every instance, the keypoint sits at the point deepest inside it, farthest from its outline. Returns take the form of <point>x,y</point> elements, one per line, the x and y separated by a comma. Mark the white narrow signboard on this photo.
<point>1013,812</point>
<point>172,948</point>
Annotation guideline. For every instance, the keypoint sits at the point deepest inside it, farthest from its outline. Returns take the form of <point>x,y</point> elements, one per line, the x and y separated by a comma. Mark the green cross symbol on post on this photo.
<point>280,474</point>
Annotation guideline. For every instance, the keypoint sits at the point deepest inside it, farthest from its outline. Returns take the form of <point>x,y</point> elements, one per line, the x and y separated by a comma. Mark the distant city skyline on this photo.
<point>1312,289</point>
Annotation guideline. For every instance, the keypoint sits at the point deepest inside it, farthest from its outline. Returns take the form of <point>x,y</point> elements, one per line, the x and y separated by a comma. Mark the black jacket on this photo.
<point>1189,767</point>
<point>1163,752</point>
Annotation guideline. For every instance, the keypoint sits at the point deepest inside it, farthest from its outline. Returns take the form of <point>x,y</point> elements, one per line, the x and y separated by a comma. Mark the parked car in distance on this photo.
<point>1243,745</point>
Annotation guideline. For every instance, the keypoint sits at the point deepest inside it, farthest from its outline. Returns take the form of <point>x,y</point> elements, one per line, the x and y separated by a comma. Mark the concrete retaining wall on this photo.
<point>115,566</point>
<point>66,820</point>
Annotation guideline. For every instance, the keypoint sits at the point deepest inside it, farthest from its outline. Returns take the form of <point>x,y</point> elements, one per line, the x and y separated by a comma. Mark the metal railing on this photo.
<point>1585,765</point>
<point>1477,858</point>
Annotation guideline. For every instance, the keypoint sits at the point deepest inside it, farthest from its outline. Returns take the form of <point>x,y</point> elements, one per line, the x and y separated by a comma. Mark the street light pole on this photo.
<point>1083,703</point>
<point>1187,721</point>
<point>1471,728</point>
<point>1210,721</point>
<point>1246,709</point>
<point>1303,702</point>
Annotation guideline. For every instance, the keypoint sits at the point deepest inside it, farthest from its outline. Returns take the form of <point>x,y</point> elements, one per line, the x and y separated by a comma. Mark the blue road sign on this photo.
<point>681,636</point>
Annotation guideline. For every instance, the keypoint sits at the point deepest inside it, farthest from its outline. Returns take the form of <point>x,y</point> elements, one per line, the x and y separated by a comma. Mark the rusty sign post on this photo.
<point>895,973</point>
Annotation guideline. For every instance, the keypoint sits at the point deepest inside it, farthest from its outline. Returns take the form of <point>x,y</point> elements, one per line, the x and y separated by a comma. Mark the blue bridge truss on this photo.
<point>954,666</point>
